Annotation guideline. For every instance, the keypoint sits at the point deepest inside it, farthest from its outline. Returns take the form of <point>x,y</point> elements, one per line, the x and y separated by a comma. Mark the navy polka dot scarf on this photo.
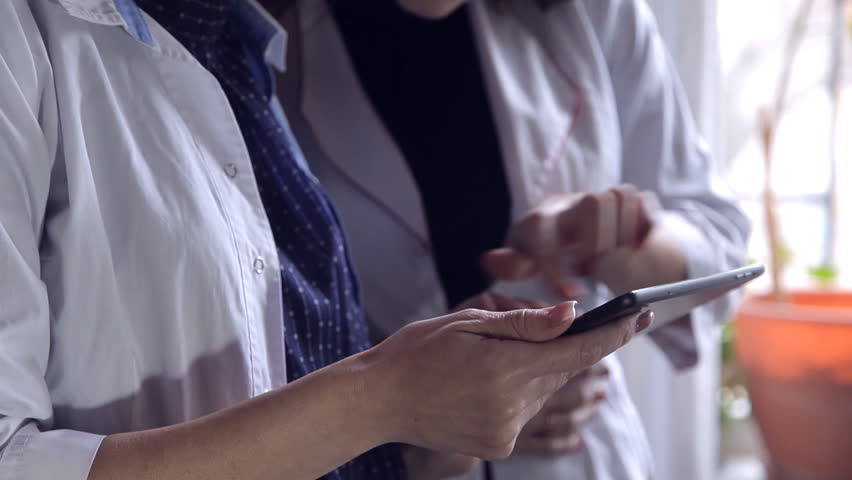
<point>322,313</point>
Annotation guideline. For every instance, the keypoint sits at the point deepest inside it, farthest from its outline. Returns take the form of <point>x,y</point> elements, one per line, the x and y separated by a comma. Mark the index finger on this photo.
<point>576,352</point>
<point>508,264</point>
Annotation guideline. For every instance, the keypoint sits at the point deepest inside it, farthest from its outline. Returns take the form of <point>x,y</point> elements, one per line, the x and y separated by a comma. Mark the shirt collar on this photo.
<point>268,35</point>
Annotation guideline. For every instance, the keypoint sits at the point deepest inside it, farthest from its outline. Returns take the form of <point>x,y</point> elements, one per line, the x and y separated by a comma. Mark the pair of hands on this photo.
<point>587,230</point>
<point>470,382</point>
<point>553,431</point>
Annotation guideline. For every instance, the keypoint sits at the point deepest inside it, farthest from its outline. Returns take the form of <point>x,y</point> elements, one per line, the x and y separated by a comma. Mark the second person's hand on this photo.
<point>575,234</point>
<point>555,430</point>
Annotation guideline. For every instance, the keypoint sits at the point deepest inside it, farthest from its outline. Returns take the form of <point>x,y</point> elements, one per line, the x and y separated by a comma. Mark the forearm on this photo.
<point>300,431</point>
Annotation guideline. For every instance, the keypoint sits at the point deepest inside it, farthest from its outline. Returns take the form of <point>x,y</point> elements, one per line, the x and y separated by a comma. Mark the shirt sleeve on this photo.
<point>663,152</point>
<point>28,139</point>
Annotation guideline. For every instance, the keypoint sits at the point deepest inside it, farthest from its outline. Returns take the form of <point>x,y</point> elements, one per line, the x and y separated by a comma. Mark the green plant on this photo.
<point>733,398</point>
<point>824,275</point>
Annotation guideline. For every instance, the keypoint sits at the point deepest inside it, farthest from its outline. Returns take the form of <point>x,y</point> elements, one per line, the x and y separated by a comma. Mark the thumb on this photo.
<point>529,324</point>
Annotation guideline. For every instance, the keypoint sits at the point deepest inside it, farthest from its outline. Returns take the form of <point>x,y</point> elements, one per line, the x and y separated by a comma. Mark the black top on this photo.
<point>425,81</point>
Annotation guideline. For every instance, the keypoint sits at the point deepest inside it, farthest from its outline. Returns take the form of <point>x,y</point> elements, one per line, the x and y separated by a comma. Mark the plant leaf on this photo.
<point>824,275</point>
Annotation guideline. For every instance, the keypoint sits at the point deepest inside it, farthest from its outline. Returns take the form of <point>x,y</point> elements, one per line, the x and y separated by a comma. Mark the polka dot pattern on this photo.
<point>322,313</point>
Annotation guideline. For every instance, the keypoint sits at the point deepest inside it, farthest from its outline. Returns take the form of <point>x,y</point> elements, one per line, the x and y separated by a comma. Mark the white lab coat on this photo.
<point>584,98</point>
<point>139,281</point>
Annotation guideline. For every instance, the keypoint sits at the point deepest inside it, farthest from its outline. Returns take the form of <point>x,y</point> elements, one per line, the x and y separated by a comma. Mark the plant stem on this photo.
<point>838,28</point>
<point>769,120</point>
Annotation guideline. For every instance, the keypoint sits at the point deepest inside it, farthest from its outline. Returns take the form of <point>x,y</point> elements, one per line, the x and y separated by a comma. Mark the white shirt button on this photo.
<point>231,170</point>
<point>259,265</point>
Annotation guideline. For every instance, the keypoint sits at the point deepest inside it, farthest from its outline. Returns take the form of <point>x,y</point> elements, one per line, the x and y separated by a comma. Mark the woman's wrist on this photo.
<point>383,380</point>
<point>366,396</point>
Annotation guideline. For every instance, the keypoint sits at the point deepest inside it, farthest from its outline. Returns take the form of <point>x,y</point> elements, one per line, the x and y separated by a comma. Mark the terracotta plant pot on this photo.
<point>797,357</point>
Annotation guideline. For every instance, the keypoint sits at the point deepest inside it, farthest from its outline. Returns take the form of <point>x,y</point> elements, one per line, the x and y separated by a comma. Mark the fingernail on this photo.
<point>558,314</point>
<point>644,321</point>
<point>575,442</point>
<point>554,307</point>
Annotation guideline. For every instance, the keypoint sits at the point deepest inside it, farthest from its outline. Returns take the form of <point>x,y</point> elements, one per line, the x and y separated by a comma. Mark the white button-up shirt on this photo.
<point>139,285</point>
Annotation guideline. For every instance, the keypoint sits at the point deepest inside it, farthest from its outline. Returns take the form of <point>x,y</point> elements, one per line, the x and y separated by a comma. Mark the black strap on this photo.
<point>489,471</point>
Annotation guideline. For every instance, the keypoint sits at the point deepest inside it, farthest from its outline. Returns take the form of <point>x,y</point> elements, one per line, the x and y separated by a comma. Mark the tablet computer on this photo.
<point>670,301</point>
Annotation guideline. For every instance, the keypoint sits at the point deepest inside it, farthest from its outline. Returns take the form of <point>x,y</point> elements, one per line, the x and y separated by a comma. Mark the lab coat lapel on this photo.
<point>535,102</point>
<point>346,126</point>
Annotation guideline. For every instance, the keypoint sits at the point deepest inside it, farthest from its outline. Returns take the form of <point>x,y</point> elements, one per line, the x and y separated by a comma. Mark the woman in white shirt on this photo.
<point>583,98</point>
